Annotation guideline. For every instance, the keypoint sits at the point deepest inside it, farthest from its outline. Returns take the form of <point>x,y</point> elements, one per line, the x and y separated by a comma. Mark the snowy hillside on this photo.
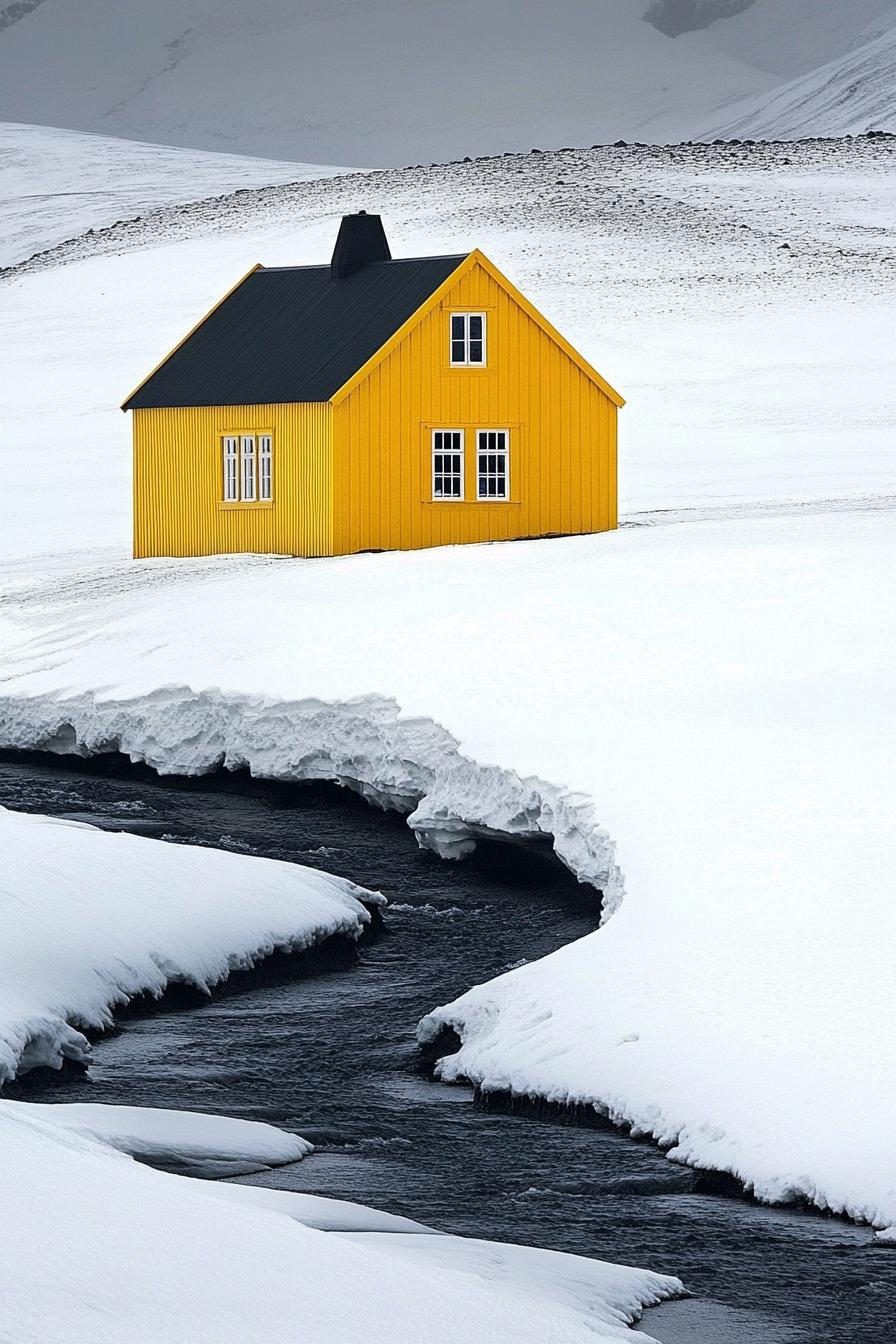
<point>58,184</point>
<point>740,299</point>
<point>387,82</point>
<point>851,94</point>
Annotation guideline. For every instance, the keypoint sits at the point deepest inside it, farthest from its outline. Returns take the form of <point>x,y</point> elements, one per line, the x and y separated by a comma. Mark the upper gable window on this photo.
<point>467,340</point>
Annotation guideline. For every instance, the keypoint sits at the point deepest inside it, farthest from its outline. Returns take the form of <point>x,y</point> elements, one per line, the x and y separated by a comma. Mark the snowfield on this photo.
<point>697,708</point>
<point>104,1249</point>
<point>76,943</point>
<point>58,184</point>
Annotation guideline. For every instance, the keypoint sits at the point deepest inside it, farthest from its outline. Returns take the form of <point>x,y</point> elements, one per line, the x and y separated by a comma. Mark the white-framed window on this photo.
<point>447,464</point>
<point>265,468</point>
<point>231,468</point>
<point>492,464</point>
<point>248,468</point>
<point>467,340</point>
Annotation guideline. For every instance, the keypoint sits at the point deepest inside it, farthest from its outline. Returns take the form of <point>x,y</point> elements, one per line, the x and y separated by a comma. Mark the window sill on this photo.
<point>474,503</point>
<point>233,506</point>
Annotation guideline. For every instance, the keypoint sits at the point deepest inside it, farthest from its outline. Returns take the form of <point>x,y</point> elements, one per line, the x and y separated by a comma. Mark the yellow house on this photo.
<point>370,404</point>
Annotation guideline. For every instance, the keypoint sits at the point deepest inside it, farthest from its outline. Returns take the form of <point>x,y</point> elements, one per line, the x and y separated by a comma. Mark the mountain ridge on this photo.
<point>392,82</point>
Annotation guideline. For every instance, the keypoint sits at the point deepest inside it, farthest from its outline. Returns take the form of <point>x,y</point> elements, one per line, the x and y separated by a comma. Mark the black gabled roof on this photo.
<point>292,333</point>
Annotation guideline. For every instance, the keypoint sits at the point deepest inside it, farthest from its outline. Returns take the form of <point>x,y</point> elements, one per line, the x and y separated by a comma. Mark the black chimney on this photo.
<point>361,240</point>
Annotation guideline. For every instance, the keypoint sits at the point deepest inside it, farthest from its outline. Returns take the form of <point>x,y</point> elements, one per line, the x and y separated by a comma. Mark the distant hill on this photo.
<point>57,184</point>
<point>385,82</point>
<point>855,92</point>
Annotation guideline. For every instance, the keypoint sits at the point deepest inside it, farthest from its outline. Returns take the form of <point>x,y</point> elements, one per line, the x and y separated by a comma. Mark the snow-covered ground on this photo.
<point>700,714</point>
<point>716,699</point>
<point>400,81</point>
<point>103,1249</point>
<point>754,371</point>
<point>76,944</point>
<point>58,184</point>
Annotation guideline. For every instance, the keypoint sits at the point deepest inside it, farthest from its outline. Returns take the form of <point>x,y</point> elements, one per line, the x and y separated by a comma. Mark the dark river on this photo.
<point>334,1058</point>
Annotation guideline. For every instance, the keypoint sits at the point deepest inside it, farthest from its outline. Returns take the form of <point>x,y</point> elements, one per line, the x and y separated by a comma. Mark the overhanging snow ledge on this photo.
<point>412,765</point>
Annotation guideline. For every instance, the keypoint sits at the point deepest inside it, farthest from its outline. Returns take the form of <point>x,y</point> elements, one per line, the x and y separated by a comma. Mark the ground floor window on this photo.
<point>492,464</point>
<point>248,468</point>
<point>447,464</point>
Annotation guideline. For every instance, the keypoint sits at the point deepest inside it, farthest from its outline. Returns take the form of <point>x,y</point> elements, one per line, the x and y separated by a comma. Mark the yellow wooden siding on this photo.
<point>178,481</point>
<point>562,435</point>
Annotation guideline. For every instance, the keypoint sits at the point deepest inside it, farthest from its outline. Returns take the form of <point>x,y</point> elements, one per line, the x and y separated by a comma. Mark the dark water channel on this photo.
<point>334,1058</point>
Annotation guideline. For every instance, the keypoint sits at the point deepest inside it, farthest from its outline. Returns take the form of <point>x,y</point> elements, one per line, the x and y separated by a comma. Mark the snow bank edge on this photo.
<point>408,764</point>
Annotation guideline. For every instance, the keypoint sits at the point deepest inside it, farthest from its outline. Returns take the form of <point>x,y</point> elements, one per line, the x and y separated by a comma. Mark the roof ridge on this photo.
<point>393,261</point>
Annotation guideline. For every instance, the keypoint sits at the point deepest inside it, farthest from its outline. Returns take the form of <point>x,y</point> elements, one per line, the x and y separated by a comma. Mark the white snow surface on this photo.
<point>327,1215</point>
<point>57,184</point>
<point>91,919</point>
<point>208,1145</point>
<point>104,1249</point>
<point>388,82</point>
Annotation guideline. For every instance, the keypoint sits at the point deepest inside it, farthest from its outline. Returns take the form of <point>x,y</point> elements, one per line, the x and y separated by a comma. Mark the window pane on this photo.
<point>475,352</point>
<point>458,352</point>
<point>475,326</point>
<point>248,462</point>
<point>458,326</point>
<point>265,480</point>
<point>231,468</point>
<point>447,464</point>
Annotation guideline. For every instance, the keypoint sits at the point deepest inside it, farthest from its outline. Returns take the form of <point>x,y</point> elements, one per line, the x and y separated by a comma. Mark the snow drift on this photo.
<point>187,1141</point>
<point>92,919</point>
<point>170,1258</point>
